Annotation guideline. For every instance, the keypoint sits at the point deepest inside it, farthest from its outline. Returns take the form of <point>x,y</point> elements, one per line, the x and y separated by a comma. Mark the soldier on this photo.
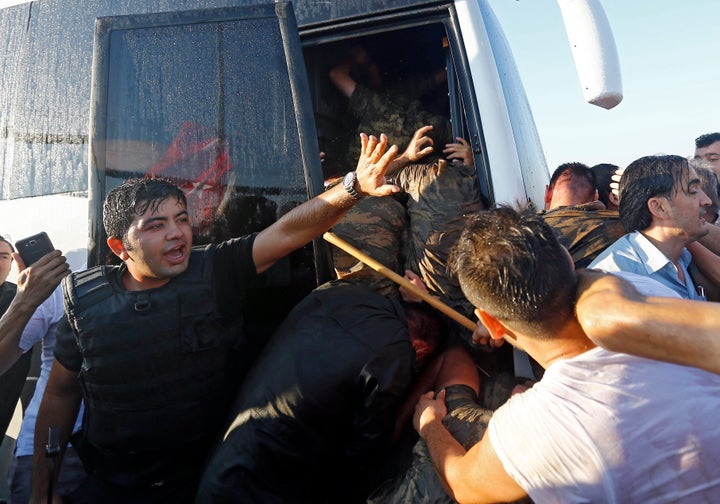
<point>396,111</point>
<point>440,194</point>
<point>585,226</point>
<point>378,227</point>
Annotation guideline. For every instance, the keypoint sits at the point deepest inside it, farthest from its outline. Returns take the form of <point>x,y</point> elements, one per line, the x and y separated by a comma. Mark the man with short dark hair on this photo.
<point>158,342</point>
<point>585,227</point>
<point>599,426</point>
<point>661,206</point>
<point>12,382</point>
<point>707,148</point>
<point>571,184</point>
<point>603,177</point>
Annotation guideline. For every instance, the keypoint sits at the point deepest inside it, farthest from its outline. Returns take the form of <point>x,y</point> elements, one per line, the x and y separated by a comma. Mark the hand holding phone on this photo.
<point>34,247</point>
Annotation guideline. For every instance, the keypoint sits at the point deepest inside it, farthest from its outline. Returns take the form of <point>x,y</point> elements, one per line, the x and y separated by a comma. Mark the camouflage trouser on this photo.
<point>439,196</point>
<point>467,419</point>
<point>377,227</point>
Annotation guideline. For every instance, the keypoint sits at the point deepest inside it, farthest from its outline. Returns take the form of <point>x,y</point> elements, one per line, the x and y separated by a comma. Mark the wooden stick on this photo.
<point>380,268</point>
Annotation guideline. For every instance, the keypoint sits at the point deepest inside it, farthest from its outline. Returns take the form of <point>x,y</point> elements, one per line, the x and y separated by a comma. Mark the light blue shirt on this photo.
<point>634,253</point>
<point>41,327</point>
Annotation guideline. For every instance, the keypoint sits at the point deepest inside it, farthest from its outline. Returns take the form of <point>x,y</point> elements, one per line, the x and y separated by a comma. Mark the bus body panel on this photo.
<point>73,121</point>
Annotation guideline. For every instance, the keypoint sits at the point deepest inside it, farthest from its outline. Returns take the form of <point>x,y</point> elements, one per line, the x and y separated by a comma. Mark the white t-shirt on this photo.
<point>607,427</point>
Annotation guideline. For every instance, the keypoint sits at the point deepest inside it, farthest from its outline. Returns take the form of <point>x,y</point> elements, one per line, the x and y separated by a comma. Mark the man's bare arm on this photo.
<point>59,408</point>
<point>707,261</point>
<point>712,240</point>
<point>35,284</point>
<point>617,317</point>
<point>474,476</point>
<point>307,221</point>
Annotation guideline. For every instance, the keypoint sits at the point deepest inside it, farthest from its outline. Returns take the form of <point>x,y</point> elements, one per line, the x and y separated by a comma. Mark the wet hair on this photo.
<point>134,197</point>
<point>706,140</point>
<point>5,240</point>
<point>645,178</point>
<point>582,178</point>
<point>510,264</point>
<point>603,176</point>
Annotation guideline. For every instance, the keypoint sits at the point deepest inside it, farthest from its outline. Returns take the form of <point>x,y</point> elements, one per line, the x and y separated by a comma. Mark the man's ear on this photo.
<point>613,199</point>
<point>548,195</point>
<point>659,206</point>
<point>496,329</point>
<point>118,247</point>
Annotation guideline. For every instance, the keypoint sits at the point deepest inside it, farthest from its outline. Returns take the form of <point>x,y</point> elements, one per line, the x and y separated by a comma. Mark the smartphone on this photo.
<point>34,247</point>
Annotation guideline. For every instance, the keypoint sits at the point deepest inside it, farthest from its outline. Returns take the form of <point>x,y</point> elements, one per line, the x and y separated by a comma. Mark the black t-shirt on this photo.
<point>233,270</point>
<point>320,402</point>
<point>157,383</point>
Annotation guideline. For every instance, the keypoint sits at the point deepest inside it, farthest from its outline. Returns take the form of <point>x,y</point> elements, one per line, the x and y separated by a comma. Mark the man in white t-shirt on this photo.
<point>600,426</point>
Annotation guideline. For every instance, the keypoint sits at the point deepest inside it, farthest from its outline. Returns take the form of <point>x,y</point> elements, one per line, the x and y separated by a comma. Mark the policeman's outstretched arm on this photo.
<point>307,221</point>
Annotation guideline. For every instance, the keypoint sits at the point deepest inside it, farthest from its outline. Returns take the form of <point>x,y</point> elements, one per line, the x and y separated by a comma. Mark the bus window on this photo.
<point>417,69</point>
<point>203,104</point>
<point>400,81</point>
<point>209,99</point>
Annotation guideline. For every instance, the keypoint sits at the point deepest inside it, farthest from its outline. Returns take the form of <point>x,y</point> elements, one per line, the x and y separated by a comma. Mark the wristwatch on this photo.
<point>349,185</point>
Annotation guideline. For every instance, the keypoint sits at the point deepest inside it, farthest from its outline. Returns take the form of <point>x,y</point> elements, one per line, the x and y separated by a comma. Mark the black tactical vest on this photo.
<point>155,362</point>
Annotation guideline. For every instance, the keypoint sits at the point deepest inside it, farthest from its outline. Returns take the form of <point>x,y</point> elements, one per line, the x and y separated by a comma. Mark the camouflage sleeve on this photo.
<point>377,226</point>
<point>439,196</point>
<point>585,232</point>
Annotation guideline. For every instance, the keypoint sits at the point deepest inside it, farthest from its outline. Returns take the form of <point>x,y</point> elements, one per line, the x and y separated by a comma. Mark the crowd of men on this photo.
<point>142,362</point>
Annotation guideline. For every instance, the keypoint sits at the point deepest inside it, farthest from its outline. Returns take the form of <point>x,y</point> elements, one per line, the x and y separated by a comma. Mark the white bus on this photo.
<point>232,99</point>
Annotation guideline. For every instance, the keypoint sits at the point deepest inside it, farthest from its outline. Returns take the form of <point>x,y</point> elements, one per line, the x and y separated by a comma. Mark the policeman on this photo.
<point>152,339</point>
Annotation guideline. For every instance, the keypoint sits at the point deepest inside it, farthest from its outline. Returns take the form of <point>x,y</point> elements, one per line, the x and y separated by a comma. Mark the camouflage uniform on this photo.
<point>378,227</point>
<point>439,196</point>
<point>467,419</point>
<point>585,230</point>
<point>397,114</point>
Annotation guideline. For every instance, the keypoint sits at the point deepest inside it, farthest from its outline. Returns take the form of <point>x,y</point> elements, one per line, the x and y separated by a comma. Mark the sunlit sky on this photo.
<point>669,54</point>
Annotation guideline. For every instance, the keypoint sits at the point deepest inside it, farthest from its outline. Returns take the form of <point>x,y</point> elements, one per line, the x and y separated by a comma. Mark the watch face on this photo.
<point>349,184</point>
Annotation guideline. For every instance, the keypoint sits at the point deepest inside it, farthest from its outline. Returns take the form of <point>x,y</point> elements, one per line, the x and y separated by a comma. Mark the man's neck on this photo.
<point>131,283</point>
<point>671,246</point>
<point>568,342</point>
